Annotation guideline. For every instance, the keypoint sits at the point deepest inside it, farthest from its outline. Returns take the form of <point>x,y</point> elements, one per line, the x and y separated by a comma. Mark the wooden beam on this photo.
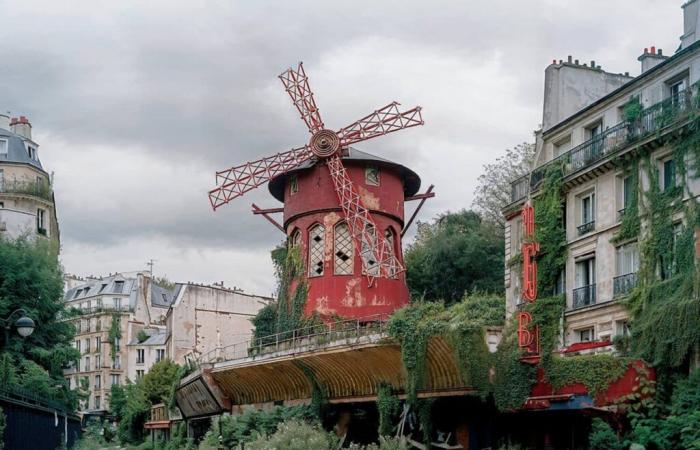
<point>266,214</point>
<point>428,194</point>
<point>423,197</point>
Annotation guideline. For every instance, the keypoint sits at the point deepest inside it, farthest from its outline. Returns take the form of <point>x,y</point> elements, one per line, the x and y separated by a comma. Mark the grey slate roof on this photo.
<point>161,297</point>
<point>16,150</point>
<point>156,337</point>
<point>411,179</point>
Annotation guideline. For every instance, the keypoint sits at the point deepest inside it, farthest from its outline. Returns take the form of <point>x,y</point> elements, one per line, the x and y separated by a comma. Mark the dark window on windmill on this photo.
<point>372,175</point>
<point>316,251</point>
<point>293,185</point>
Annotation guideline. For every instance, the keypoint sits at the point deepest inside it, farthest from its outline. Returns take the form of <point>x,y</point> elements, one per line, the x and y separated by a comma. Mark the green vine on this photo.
<point>388,406</point>
<point>115,333</point>
<point>549,230</point>
<point>630,223</point>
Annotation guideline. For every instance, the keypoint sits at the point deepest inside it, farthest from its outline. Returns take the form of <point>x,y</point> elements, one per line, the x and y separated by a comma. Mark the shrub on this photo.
<point>296,435</point>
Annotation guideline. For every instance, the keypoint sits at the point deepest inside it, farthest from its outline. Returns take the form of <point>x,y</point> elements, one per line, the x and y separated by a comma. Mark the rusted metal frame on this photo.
<point>296,83</point>
<point>381,122</point>
<point>266,214</point>
<point>361,224</point>
<point>423,197</point>
<point>238,180</point>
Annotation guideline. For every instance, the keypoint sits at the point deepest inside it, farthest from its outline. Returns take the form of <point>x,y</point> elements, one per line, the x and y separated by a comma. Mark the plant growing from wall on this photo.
<point>549,230</point>
<point>630,222</point>
<point>114,334</point>
<point>388,406</point>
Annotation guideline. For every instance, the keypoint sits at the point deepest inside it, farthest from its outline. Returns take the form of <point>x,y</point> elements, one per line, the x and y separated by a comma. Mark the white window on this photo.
<point>562,146</point>
<point>98,382</point>
<point>677,92</point>
<point>87,363</point>
<point>516,236</point>
<point>585,273</point>
<point>627,259</point>
<point>627,188</point>
<point>372,176</point>
<point>139,374</point>
<point>87,345</point>
<point>594,130</point>
<point>98,344</point>
<point>77,344</point>
<point>118,287</point>
<point>98,362</point>
<point>295,238</point>
<point>2,179</point>
<point>3,146</point>
<point>588,209</point>
<point>117,344</point>
<point>117,363</point>
<point>622,328</point>
<point>97,402</point>
<point>31,151</point>
<point>342,251</point>
<point>586,334</point>
<point>115,379</point>
<point>160,354</point>
<point>140,356</point>
<point>117,303</point>
<point>316,251</point>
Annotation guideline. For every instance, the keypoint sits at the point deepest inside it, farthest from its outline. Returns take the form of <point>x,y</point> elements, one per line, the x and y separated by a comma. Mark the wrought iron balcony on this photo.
<point>586,228</point>
<point>651,120</point>
<point>624,283</point>
<point>40,189</point>
<point>519,188</point>
<point>584,296</point>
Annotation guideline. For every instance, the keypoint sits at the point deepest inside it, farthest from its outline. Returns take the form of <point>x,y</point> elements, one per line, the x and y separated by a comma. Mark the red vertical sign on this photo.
<point>529,336</point>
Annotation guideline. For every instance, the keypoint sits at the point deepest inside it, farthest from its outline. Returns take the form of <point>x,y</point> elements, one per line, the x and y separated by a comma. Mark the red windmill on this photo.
<point>379,257</point>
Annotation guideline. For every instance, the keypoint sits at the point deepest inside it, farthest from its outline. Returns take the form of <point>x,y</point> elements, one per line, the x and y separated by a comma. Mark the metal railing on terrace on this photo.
<point>19,394</point>
<point>41,189</point>
<point>584,296</point>
<point>624,283</point>
<point>306,338</point>
<point>650,120</point>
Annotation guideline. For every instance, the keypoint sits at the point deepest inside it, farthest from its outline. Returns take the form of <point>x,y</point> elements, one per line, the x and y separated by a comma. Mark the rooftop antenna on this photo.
<point>150,264</point>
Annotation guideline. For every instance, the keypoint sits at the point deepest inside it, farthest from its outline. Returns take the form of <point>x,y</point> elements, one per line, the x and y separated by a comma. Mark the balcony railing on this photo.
<point>624,283</point>
<point>584,296</point>
<point>586,228</point>
<point>40,189</point>
<point>315,336</point>
<point>651,119</point>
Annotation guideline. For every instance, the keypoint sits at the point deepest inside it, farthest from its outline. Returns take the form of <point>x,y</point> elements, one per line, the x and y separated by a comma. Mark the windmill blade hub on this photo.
<point>324,143</point>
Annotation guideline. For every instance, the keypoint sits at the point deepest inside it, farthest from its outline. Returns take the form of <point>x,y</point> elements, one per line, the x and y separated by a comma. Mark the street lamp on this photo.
<point>25,325</point>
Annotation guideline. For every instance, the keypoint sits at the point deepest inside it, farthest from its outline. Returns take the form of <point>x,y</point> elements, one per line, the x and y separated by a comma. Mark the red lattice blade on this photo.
<point>238,180</point>
<point>377,255</point>
<point>381,122</point>
<point>296,83</point>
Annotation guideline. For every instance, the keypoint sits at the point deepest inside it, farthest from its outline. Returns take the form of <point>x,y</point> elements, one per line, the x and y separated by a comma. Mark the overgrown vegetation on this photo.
<point>31,278</point>
<point>454,254</point>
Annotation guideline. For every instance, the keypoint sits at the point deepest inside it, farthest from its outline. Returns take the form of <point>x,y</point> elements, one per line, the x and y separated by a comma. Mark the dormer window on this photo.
<point>32,152</point>
<point>3,147</point>
<point>118,287</point>
<point>293,184</point>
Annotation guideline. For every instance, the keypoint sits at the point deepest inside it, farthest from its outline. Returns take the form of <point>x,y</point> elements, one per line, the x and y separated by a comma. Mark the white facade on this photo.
<point>590,143</point>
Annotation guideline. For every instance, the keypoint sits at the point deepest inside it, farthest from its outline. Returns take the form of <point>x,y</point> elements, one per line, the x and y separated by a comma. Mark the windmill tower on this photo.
<point>342,206</point>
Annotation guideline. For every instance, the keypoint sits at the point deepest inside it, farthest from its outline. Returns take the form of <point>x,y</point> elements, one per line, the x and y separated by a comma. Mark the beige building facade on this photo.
<point>591,140</point>
<point>27,203</point>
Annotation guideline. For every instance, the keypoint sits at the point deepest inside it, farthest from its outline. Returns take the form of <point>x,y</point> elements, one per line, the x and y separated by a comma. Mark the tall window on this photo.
<point>117,363</point>
<point>2,177</point>
<point>295,238</point>
<point>367,252</point>
<point>585,334</point>
<point>584,293</point>
<point>97,402</point>
<point>118,287</point>
<point>587,219</point>
<point>115,379</point>
<point>390,237</point>
<point>160,354</point>
<point>316,250</point>
<point>139,374</point>
<point>98,382</point>
<point>3,146</point>
<point>98,362</point>
<point>677,92</point>
<point>562,146</point>
<point>117,303</point>
<point>40,221</point>
<point>140,356</point>
<point>627,259</point>
<point>668,175</point>
<point>342,250</point>
<point>293,184</point>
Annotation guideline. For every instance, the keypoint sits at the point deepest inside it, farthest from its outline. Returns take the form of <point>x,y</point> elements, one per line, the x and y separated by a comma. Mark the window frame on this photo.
<point>590,330</point>
<point>317,249</point>
<point>6,146</point>
<point>348,250</point>
<point>369,180</point>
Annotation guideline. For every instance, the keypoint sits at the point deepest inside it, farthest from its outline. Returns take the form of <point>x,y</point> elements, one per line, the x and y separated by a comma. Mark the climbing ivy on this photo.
<point>630,223</point>
<point>388,406</point>
<point>115,333</point>
<point>549,230</point>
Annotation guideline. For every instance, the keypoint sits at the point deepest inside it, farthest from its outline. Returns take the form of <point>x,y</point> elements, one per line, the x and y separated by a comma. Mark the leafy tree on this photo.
<point>135,412</point>
<point>2,429</point>
<point>117,400</point>
<point>31,278</point>
<point>157,382</point>
<point>456,253</point>
<point>295,435</point>
<point>602,437</point>
<point>492,192</point>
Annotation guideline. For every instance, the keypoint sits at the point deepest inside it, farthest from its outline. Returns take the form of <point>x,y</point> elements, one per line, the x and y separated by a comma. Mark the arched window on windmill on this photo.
<point>316,250</point>
<point>342,250</point>
<point>369,242</point>
<point>295,238</point>
<point>390,236</point>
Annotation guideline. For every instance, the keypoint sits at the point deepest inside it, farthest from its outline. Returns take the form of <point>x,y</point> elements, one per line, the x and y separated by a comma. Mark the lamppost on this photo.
<point>25,325</point>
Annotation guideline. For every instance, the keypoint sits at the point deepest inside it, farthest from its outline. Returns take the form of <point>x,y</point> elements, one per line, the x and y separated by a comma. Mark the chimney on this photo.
<point>21,126</point>
<point>651,58</point>
<point>691,13</point>
<point>4,121</point>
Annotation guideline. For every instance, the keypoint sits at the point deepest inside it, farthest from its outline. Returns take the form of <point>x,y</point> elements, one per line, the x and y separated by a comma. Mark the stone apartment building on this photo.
<point>27,203</point>
<point>179,323</point>
<point>120,332</point>
<point>588,132</point>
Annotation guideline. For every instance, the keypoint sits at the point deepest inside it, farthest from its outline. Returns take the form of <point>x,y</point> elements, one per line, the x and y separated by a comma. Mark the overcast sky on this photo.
<point>137,103</point>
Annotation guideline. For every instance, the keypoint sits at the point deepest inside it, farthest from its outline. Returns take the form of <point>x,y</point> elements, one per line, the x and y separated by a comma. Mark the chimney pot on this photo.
<point>593,63</point>
<point>554,61</point>
<point>568,59</point>
<point>660,52</point>
<point>653,50</point>
<point>627,74</point>
<point>576,62</point>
